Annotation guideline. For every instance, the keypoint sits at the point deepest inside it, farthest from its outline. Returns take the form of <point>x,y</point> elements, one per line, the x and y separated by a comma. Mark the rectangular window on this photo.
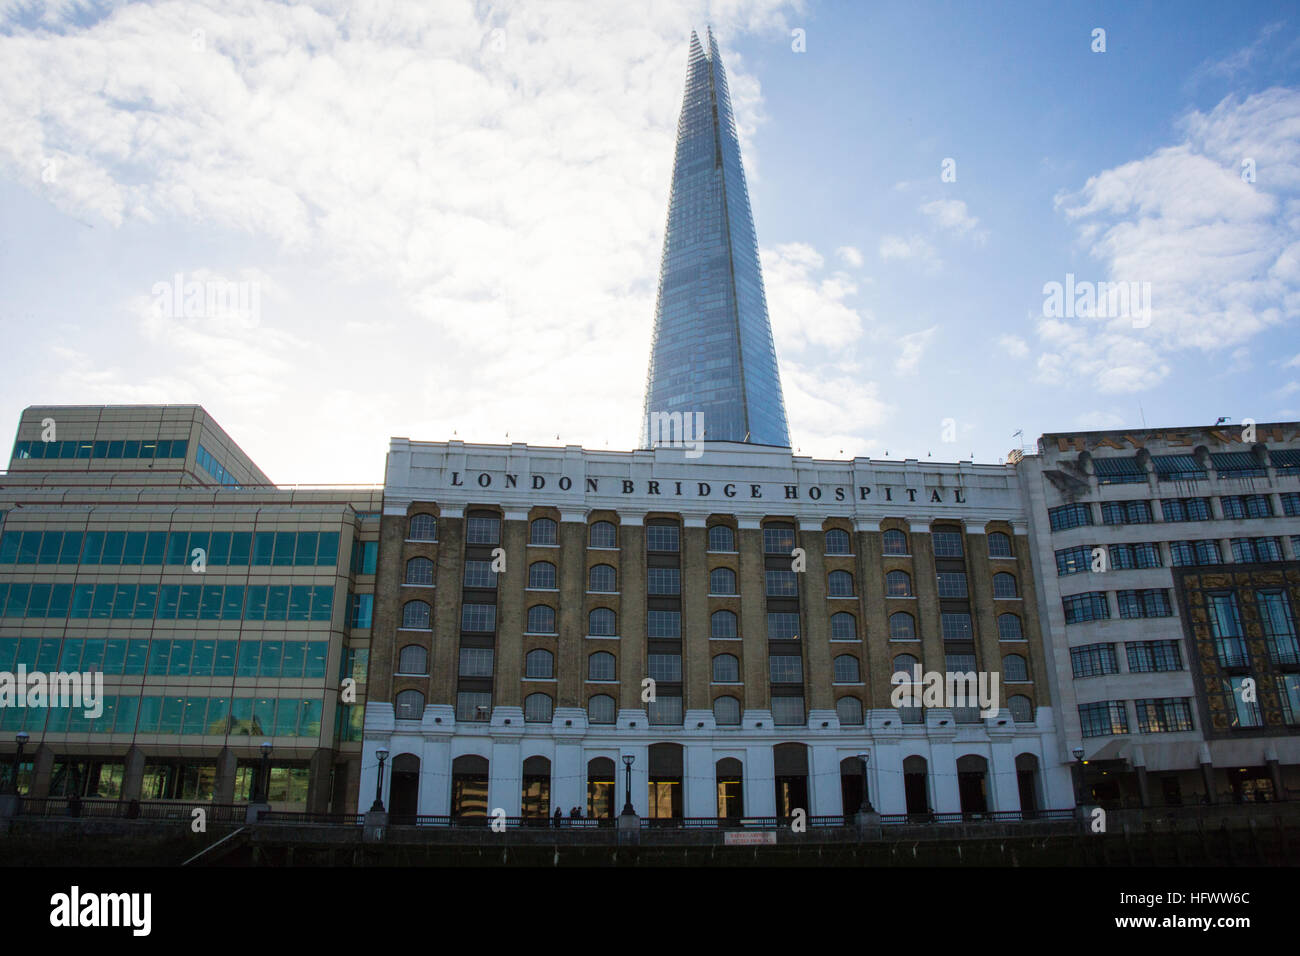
<point>478,574</point>
<point>1225,626</point>
<point>1091,606</point>
<point>363,609</point>
<point>1126,512</point>
<point>476,662</point>
<point>1092,660</point>
<point>1186,509</point>
<point>1069,516</point>
<point>1279,626</point>
<point>478,618</point>
<point>947,544</point>
<point>664,580</point>
<point>1153,602</point>
<point>483,530</point>
<point>788,711</point>
<point>1073,560</point>
<point>782,625</point>
<point>664,624</point>
<point>1103,718</point>
<point>1163,715</point>
<point>665,668</point>
<point>663,537</point>
<point>1147,656</point>
<point>786,668</point>
<point>781,583</point>
<point>952,584</point>
<point>955,625</point>
<point>778,540</point>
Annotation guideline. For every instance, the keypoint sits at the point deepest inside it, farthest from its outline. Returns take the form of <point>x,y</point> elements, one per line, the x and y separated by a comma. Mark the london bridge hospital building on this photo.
<point>524,689</point>
<point>724,614</point>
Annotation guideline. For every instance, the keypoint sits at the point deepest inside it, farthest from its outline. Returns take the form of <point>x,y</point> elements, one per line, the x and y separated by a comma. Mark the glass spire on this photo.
<point>712,358</point>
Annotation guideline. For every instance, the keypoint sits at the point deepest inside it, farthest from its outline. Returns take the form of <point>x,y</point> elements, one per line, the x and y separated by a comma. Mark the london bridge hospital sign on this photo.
<point>689,488</point>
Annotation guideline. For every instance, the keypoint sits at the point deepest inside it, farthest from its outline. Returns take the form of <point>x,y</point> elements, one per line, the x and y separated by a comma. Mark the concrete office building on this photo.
<point>1169,579</point>
<point>141,544</point>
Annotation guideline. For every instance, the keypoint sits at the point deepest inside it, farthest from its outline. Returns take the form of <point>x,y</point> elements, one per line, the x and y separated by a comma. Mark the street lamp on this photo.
<point>264,774</point>
<point>866,807</point>
<point>22,739</point>
<point>378,805</point>
<point>627,797</point>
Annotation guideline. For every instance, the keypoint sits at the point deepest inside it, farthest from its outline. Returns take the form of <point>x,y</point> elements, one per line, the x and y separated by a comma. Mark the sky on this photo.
<point>444,220</point>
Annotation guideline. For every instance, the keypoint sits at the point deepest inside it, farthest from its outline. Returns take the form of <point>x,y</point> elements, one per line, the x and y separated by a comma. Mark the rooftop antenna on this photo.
<point>1142,415</point>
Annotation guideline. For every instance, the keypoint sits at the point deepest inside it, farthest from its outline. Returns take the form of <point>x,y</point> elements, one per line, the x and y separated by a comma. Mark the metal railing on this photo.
<point>101,808</point>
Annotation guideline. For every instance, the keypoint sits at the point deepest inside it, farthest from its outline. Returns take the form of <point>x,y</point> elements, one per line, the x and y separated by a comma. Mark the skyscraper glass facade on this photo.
<point>712,354</point>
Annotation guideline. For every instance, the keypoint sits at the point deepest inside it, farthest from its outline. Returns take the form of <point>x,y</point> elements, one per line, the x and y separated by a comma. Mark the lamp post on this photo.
<point>627,790</point>
<point>378,805</point>
<point>866,807</point>
<point>1078,775</point>
<point>264,774</point>
<point>22,739</point>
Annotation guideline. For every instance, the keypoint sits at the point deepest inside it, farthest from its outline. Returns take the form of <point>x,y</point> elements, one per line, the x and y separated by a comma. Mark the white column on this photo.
<point>825,793</point>
<point>701,797</point>
<point>568,778</point>
<point>885,773</point>
<point>943,777</point>
<point>760,781</point>
<point>1005,786</point>
<point>435,778</point>
<point>505,778</point>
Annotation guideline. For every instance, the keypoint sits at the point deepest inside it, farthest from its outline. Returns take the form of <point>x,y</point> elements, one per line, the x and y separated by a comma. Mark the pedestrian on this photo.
<point>559,818</point>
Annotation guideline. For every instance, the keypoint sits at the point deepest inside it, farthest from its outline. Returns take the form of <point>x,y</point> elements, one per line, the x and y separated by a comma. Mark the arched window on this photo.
<point>601,666</point>
<point>542,531</point>
<point>539,664</point>
<point>906,664</point>
<point>837,541</point>
<point>422,528</point>
<point>601,622</point>
<point>1009,628</point>
<point>541,575</point>
<point>1004,585</point>
<point>602,534</point>
<point>902,626</point>
<point>602,578</point>
<point>839,584</point>
<point>415,614</point>
<point>413,659</point>
<point>846,669</point>
<point>1014,668</point>
<point>721,538</point>
<point>722,624</point>
<point>722,581</point>
<point>895,542</point>
<point>898,584</point>
<point>419,571</point>
<point>541,619</point>
<point>538,708</point>
<point>726,669</point>
<point>726,711</point>
<point>999,545</point>
<point>849,711</point>
<point>601,709</point>
<point>844,627</point>
<point>1022,709</point>
<point>409,705</point>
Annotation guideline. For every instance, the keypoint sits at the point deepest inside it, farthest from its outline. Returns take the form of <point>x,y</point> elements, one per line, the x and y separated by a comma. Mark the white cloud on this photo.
<point>912,348</point>
<point>909,248</point>
<point>951,216</point>
<point>805,308</point>
<point>851,255</point>
<point>1219,253</point>
<point>503,192</point>
<point>1014,346</point>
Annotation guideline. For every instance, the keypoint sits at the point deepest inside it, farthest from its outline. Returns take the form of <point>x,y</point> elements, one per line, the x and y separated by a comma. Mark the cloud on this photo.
<point>1014,346</point>
<point>851,255</point>
<point>951,216</point>
<point>910,248</point>
<point>482,188</point>
<point>913,347</point>
<point>1219,252</point>
<point>805,308</point>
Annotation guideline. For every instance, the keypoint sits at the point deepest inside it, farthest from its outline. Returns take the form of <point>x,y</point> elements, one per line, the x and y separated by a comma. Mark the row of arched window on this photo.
<point>604,534</point>
<point>723,624</point>
<point>603,709</point>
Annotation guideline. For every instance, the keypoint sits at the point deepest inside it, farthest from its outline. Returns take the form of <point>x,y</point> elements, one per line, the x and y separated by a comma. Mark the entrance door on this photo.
<point>404,800</point>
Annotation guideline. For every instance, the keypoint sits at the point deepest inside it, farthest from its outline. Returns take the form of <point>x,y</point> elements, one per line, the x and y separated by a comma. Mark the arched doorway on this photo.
<point>535,799</point>
<point>851,785</point>
<point>731,788</point>
<point>404,789</point>
<point>1027,781</point>
<point>665,782</point>
<point>601,788</point>
<point>916,785</point>
<point>469,787</point>
<point>972,771</point>
<point>790,768</point>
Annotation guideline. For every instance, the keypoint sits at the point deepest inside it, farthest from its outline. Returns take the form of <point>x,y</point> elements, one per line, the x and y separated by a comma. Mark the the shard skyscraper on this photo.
<point>712,359</point>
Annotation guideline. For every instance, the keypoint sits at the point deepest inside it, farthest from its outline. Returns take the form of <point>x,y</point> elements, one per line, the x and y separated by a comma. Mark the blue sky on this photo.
<point>452,215</point>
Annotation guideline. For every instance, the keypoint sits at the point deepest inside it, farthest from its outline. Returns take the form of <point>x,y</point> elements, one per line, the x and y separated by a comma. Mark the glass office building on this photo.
<point>712,353</point>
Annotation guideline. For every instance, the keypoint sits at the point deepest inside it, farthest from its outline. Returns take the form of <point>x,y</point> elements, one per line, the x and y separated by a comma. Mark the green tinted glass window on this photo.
<point>256,603</point>
<point>249,651</point>
<point>194,720</point>
<point>232,605</point>
<point>70,658</point>
<point>224,665</point>
<point>133,552</point>
<point>284,544</point>
<point>314,665</point>
<point>219,549</point>
<point>210,608</point>
<point>322,600</point>
<point>277,602</point>
<point>137,653</point>
<point>150,707</point>
<point>114,655</point>
<point>114,544</point>
<point>204,651</point>
<point>309,719</point>
<point>241,543</point>
<point>47,655</point>
<point>189,606</point>
<point>127,709</point>
<point>92,547</point>
<point>294,652</point>
<point>155,548</point>
<point>38,601</point>
<point>178,664</point>
<point>103,603</point>
<point>70,552</point>
<point>306,550</point>
<point>124,600</point>
<point>159,652</point>
<point>51,544</point>
<point>263,548</point>
<point>327,551</point>
<point>146,600</point>
<point>271,654</point>
<point>169,599</point>
<point>176,542</point>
